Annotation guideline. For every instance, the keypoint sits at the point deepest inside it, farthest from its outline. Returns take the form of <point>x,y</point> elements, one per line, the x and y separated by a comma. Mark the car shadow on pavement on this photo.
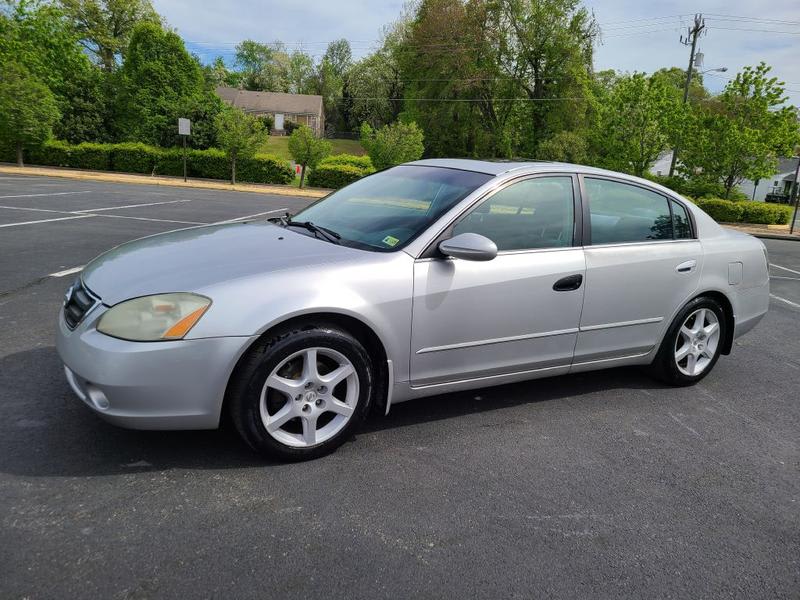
<point>46,431</point>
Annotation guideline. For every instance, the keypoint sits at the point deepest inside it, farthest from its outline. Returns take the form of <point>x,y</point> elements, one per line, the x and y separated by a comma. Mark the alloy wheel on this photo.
<point>697,342</point>
<point>309,397</point>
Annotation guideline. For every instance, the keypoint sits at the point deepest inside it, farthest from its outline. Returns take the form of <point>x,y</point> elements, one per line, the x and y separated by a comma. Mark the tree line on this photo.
<point>478,78</point>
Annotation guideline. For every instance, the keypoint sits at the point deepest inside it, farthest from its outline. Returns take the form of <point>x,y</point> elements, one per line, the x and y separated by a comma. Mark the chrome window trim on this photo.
<point>577,217</point>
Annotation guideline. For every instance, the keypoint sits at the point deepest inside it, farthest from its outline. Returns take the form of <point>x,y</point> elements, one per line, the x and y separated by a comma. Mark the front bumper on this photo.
<point>148,385</point>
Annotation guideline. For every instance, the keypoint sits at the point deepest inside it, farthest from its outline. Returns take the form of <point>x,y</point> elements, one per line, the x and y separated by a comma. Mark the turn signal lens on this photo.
<point>154,318</point>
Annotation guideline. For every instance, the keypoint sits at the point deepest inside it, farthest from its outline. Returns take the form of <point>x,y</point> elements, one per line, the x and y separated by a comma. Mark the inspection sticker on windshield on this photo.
<point>390,240</point>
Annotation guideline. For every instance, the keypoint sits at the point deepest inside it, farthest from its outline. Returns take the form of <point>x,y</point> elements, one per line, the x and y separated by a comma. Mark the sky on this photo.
<point>637,35</point>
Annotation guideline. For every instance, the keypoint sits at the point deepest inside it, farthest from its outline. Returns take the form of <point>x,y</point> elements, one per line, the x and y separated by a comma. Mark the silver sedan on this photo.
<point>431,277</point>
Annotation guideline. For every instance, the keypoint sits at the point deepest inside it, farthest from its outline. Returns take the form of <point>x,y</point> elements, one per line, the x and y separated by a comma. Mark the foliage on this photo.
<point>239,135</point>
<point>36,36</point>
<point>740,134</point>
<point>392,144</point>
<point>106,26</point>
<point>727,211</point>
<point>262,67</point>
<point>161,82</point>
<point>339,170</point>
<point>564,146</point>
<point>140,158</point>
<point>307,150</point>
<point>637,123</point>
<point>27,109</point>
<point>696,188</point>
<point>335,176</point>
<point>290,126</point>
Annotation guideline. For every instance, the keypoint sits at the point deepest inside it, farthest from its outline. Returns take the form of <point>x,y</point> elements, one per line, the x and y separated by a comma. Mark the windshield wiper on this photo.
<point>328,234</point>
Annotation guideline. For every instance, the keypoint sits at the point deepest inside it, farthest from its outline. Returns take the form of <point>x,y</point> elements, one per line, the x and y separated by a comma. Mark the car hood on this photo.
<point>190,259</point>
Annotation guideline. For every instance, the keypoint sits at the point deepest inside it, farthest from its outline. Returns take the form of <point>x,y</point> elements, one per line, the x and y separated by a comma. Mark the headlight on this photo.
<point>154,318</point>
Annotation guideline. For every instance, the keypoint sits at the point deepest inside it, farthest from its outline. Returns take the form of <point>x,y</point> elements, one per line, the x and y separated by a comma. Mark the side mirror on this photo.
<point>469,246</point>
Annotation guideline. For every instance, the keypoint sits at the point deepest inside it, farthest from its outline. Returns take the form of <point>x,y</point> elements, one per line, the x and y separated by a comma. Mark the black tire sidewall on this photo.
<point>264,357</point>
<point>668,369</point>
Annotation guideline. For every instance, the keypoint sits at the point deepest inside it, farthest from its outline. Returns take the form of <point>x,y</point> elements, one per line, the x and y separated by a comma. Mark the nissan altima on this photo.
<point>430,277</point>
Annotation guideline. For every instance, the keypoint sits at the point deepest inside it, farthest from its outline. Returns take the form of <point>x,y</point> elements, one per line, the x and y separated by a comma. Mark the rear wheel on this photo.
<point>301,393</point>
<point>692,344</point>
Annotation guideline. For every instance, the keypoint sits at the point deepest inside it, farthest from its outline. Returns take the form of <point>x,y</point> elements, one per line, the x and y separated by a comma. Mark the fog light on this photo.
<point>97,397</point>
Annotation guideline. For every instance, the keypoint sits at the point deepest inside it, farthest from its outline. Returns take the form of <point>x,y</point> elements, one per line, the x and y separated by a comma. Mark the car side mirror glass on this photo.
<point>469,246</point>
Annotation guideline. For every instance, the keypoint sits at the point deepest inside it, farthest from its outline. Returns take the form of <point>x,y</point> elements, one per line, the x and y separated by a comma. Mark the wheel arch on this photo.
<point>352,325</point>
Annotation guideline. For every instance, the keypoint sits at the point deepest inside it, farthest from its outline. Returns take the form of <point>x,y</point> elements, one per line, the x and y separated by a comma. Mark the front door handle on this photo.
<point>686,267</point>
<point>569,283</point>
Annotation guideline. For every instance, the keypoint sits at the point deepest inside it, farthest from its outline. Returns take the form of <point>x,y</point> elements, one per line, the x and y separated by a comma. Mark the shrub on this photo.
<point>208,164</point>
<point>697,188</point>
<point>264,168</point>
<point>134,158</point>
<point>87,155</point>
<point>52,153</point>
<point>290,126</point>
<point>766,213</point>
<point>722,210</point>
<point>169,161</point>
<point>362,162</point>
<point>392,144</point>
<point>336,176</point>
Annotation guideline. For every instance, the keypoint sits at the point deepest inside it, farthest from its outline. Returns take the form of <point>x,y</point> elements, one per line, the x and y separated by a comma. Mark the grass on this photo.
<point>279,146</point>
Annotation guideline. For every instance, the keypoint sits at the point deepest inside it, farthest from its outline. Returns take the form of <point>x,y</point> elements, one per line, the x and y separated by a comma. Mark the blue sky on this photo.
<point>637,34</point>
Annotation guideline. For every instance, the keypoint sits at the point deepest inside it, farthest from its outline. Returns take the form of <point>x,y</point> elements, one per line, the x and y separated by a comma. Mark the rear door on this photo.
<point>642,264</point>
<point>503,316</point>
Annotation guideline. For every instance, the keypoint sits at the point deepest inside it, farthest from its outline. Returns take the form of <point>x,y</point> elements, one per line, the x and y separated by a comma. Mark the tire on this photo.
<point>302,392</point>
<point>688,354</point>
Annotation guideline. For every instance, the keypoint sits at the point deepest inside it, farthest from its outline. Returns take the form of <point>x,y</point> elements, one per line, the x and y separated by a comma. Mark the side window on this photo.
<point>535,213</point>
<point>680,222</point>
<point>626,213</point>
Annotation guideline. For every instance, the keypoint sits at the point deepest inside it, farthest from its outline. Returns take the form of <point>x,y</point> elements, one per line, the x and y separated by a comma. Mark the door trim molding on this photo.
<point>512,338</point>
<point>621,324</point>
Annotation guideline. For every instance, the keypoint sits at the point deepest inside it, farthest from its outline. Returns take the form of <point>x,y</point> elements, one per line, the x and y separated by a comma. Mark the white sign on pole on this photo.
<point>184,127</point>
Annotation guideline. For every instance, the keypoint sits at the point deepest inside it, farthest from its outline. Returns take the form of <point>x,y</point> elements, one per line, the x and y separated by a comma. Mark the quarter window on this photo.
<point>535,213</point>
<point>626,213</point>
<point>680,222</point>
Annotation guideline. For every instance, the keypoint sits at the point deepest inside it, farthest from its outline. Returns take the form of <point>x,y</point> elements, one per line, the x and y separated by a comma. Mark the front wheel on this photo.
<point>301,393</point>
<point>692,344</point>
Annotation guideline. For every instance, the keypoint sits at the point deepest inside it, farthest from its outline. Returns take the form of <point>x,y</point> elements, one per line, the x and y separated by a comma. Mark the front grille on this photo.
<point>78,301</point>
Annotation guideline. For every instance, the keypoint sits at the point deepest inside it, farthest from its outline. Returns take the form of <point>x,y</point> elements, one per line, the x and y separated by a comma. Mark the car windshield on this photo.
<point>387,210</point>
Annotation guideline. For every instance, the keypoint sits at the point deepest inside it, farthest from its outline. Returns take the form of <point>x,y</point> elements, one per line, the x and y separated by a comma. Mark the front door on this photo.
<point>278,121</point>
<point>642,264</point>
<point>485,319</point>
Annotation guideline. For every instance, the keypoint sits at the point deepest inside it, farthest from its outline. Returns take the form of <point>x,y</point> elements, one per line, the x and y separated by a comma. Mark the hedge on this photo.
<point>141,158</point>
<point>763,213</point>
<point>340,170</point>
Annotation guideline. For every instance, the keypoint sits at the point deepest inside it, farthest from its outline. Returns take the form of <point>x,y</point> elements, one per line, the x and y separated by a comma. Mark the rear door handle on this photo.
<point>686,267</point>
<point>569,283</point>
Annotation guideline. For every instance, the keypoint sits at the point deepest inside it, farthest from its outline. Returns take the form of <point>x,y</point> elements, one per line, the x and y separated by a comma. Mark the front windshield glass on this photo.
<point>387,210</point>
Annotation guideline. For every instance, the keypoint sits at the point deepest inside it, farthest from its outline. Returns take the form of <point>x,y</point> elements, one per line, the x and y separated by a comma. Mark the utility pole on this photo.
<point>795,195</point>
<point>690,40</point>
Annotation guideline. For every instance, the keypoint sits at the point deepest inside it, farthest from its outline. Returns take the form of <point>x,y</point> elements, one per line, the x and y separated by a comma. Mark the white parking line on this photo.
<point>50,210</point>
<point>148,219</point>
<point>268,212</point>
<point>46,220</point>
<point>66,272</point>
<point>784,268</point>
<point>789,302</point>
<point>50,194</point>
<point>787,278</point>
<point>94,210</point>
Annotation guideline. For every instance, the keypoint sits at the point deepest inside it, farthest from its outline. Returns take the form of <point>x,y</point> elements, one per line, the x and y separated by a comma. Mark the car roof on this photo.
<point>501,167</point>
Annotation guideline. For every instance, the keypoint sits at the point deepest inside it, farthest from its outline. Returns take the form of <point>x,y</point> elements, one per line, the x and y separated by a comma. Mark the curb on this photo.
<point>137,179</point>
<point>771,236</point>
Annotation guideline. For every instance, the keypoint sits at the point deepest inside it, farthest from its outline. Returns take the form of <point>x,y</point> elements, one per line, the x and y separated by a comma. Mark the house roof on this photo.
<point>298,104</point>
<point>787,165</point>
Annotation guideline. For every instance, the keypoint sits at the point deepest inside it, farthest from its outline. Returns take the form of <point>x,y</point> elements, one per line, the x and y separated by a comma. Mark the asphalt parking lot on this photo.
<point>594,485</point>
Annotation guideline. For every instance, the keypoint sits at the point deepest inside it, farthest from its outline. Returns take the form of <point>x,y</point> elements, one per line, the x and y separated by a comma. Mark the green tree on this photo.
<point>106,26</point>
<point>27,109</point>
<point>637,122</point>
<point>741,133</point>
<point>37,37</point>
<point>392,144</point>
<point>263,67</point>
<point>240,135</point>
<point>160,82</point>
<point>307,149</point>
<point>564,146</point>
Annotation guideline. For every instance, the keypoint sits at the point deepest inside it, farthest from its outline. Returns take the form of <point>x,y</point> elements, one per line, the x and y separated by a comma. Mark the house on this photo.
<point>304,109</point>
<point>776,185</point>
